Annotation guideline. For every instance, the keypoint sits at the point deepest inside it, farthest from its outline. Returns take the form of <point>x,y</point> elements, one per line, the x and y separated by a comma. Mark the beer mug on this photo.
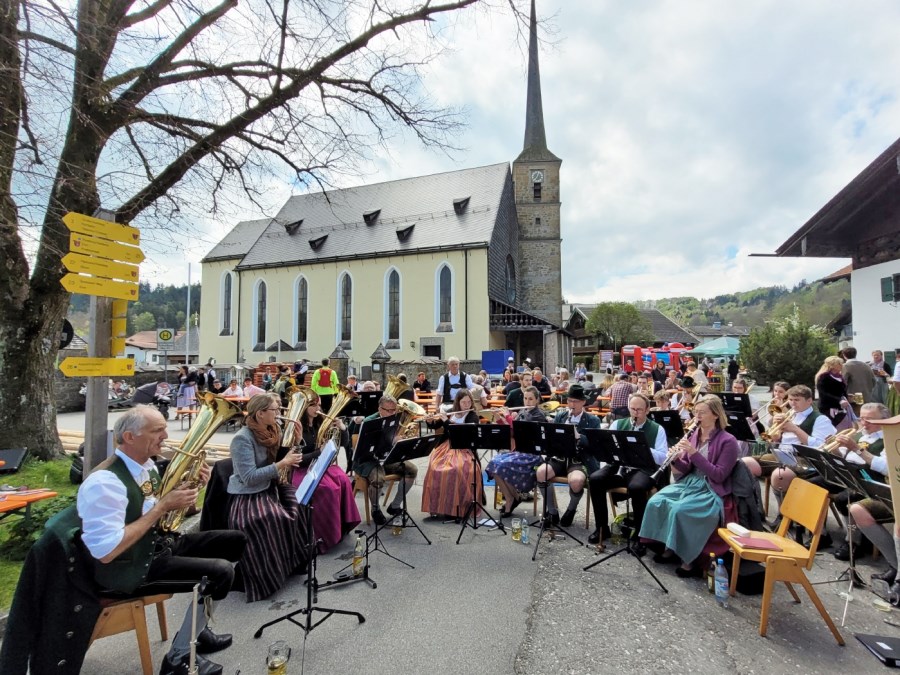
<point>278,657</point>
<point>516,529</point>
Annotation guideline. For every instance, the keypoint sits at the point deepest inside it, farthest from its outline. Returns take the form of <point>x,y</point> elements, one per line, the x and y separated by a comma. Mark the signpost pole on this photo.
<point>97,397</point>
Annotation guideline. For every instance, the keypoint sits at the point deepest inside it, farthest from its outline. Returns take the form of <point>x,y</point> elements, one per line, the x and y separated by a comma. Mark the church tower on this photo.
<point>536,184</point>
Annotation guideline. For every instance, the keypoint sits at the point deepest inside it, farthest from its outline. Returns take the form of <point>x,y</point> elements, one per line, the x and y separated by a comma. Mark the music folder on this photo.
<point>365,403</point>
<point>545,438</point>
<point>670,421</point>
<point>739,426</point>
<point>633,450</point>
<point>886,649</point>
<point>376,437</point>
<point>479,436</point>
<point>736,403</point>
<point>411,448</point>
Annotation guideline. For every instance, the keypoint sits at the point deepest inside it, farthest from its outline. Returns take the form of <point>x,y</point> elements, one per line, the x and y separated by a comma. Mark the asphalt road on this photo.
<point>484,607</point>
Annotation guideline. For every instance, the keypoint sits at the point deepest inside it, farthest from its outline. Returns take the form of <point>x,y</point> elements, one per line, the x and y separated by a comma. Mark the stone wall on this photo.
<point>433,369</point>
<point>65,389</point>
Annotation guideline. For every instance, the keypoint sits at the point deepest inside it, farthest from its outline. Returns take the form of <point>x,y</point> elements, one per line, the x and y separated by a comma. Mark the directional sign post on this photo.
<point>86,366</point>
<point>75,262</point>
<point>96,227</point>
<point>107,288</point>
<point>109,250</point>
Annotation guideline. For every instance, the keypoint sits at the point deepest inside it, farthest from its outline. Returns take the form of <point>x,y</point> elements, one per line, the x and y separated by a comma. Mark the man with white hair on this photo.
<point>450,383</point>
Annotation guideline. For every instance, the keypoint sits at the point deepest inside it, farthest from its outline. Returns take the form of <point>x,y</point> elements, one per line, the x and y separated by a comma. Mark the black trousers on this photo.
<point>192,557</point>
<point>611,476</point>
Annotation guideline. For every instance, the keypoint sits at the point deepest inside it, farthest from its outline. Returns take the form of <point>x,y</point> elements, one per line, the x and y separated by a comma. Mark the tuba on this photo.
<point>395,387</point>
<point>410,415</point>
<point>189,458</point>
<point>329,430</point>
<point>299,402</point>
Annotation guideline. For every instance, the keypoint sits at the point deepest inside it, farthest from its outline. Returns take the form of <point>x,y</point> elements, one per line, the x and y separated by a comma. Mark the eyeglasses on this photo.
<point>389,411</point>
<point>274,409</point>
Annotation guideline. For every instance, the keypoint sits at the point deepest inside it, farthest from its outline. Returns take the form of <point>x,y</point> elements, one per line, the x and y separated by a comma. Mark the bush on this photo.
<point>788,349</point>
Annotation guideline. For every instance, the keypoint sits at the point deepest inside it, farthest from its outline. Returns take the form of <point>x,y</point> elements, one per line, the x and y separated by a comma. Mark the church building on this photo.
<point>444,265</point>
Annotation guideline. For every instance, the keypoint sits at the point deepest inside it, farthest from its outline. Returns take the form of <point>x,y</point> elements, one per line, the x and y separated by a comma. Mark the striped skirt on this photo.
<point>447,489</point>
<point>276,538</point>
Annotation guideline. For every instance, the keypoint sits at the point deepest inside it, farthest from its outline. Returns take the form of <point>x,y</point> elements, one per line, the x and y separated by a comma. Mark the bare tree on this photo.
<point>151,106</point>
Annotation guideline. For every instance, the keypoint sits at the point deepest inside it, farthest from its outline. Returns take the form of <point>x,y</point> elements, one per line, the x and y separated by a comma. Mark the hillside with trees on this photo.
<point>159,307</point>
<point>817,303</point>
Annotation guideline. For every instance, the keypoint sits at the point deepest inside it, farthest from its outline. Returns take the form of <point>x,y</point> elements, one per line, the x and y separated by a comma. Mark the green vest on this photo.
<point>650,429</point>
<point>807,424</point>
<point>877,447</point>
<point>129,570</point>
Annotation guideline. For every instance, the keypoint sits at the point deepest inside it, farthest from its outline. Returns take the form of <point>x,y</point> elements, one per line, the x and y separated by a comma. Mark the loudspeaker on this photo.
<point>13,459</point>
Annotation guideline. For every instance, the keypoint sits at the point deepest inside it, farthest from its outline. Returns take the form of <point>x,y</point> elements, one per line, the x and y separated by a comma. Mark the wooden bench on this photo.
<point>19,503</point>
<point>182,413</point>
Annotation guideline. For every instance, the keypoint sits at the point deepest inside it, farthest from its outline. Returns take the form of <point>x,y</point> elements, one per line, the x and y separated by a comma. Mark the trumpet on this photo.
<point>776,427</point>
<point>835,441</point>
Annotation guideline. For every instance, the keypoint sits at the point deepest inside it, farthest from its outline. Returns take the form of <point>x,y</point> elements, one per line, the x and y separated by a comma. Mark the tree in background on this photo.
<point>618,323</point>
<point>145,321</point>
<point>789,349</point>
<point>170,108</point>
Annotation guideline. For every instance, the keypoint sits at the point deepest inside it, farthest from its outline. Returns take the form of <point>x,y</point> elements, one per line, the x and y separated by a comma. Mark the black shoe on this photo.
<point>210,643</point>
<point>378,517</point>
<point>552,517</point>
<point>567,518</point>
<point>665,559</point>
<point>687,574</point>
<point>889,575</point>
<point>860,550</point>
<point>842,552</point>
<point>506,513</point>
<point>204,666</point>
<point>598,534</point>
<point>639,549</point>
<point>825,541</point>
<point>394,510</point>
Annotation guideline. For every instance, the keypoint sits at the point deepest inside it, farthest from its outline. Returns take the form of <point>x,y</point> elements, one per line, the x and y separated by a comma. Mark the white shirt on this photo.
<point>454,379</point>
<point>250,391</point>
<point>822,429</point>
<point>879,462</point>
<point>897,371</point>
<point>102,500</point>
<point>233,391</point>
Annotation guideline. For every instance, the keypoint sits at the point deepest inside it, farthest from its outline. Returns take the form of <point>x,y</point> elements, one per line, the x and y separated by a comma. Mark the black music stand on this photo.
<point>670,421</point>
<point>739,426</point>
<point>548,440</point>
<point>736,403</point>
<point>405,450</point>
<point>365,403</point>
<point>473,437</point>
<point>304,495</point>
<point>630,449</point>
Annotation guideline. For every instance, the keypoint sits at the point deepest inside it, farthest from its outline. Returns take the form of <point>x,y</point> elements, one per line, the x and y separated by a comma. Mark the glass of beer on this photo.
<point>278,657</point>
<point>516,529</point>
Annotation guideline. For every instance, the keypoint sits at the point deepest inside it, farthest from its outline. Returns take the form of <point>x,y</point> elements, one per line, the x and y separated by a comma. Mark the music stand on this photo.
<point>304,497</point>
<point>365,403</point>
<point>405,450</point>
<point>736,403</point>
<point>739,426</point>
<point>473,437</point>
<point>548,440</point>
<point>630,449</point>
<point>670,421</point>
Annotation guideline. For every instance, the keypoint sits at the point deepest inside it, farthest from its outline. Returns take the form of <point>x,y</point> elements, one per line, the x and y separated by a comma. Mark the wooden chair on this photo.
<point>807,505</point>
<point>120,616</point>
<point>564,480</point>
<point>361,484</point>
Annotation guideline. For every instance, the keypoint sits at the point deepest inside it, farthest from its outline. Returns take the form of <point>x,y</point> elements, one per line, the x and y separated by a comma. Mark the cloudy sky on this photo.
<point>692,133</point>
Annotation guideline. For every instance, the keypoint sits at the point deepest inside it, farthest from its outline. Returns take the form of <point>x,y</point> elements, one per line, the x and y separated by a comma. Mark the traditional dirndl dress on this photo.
<point>333,507</point>
<point>276,537</point>
<point>447,489</point>
<point>516,468</point>
<point>683,516</point>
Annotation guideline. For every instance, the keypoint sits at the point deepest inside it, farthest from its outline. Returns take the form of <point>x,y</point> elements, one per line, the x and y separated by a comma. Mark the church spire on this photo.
<point>535,146</point>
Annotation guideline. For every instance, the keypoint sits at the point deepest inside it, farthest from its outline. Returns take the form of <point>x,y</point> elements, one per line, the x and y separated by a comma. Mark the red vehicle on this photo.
<point>645,358</point>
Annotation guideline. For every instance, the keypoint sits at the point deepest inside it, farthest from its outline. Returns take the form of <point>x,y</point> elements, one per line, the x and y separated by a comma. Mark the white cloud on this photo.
<point>688,130</point>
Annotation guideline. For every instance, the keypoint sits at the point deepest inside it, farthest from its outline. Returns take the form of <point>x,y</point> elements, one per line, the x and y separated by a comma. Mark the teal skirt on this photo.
<point>683,516</point>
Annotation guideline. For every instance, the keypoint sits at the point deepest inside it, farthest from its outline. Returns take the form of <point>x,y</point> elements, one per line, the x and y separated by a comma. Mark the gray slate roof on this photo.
<point>239,241</point>
<point>723,331</point>
<point>424,202</point>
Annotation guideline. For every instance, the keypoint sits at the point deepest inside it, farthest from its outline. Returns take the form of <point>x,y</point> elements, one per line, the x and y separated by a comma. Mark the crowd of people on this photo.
<point>676,508</point>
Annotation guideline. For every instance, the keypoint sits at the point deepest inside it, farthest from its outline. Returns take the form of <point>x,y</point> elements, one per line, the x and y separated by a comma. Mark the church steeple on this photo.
<point>535,146</point>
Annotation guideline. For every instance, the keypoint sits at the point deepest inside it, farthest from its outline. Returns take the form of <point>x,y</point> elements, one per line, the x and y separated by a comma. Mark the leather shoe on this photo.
<point>665,559</point>
<point>552,517</point>
<point>688,573</point>
<point>395,510</point>
<point>182,667</point>
<point>379,517</point>
<point>507,512</point>
<point>888,576</point>
<point>598,534</point>
<point>860,550</point>
<point>567,518</point>
<point>639,549</point>
<point>209,643</point>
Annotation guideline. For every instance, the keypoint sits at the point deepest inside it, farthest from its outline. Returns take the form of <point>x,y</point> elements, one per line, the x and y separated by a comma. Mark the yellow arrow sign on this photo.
<point>78,222</point>
<point>82,243</point>
<point>76,283</point>
<point>75,262</point>
<point>83,366</point>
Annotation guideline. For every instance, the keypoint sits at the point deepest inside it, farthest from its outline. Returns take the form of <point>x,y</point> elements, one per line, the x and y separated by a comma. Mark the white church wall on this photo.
<point>876,324</point>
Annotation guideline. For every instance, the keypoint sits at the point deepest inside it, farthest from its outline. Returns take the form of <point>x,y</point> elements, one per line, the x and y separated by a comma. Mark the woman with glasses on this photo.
<point>334,509</point>
<point>261,507</point>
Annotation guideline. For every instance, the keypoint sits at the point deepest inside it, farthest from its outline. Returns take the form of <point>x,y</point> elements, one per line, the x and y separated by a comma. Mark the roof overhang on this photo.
<point>507,318</point>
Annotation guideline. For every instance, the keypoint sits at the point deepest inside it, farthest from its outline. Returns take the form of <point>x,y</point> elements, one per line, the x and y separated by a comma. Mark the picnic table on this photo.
<point>19,503</point>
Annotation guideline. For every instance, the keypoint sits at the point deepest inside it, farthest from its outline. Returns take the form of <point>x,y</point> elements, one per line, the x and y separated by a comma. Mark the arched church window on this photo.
<point>392,338</point>
<point>346,312</point>
<point>444,298</point>
<point>302,313</point>
<point>226,304</point>
<point>259,323</point>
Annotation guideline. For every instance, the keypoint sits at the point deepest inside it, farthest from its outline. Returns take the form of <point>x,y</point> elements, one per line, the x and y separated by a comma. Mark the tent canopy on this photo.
<point>723,346</point>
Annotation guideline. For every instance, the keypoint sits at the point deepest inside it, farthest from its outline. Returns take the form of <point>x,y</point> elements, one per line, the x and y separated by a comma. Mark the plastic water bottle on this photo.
<point>711,574</point>
<point>721,583</point>
<point>359,557</point>
<point>525,529</point>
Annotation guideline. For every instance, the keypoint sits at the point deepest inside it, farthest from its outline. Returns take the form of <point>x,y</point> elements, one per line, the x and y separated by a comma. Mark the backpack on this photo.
<point>324,373</point>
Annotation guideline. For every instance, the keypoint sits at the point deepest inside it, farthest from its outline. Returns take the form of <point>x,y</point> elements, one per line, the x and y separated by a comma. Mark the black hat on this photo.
<point>687,382</point>
<point>576,392</point>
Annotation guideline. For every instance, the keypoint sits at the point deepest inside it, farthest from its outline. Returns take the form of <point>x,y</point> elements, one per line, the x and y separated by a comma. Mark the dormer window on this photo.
<point>293,228</point>
<point>460,205</point>
<point>369,217</point>
<point>316,244</point>
<point>404,232</point>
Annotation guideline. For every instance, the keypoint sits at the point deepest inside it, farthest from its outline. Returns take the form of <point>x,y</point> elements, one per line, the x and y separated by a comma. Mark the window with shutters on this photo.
<point>890,288</point>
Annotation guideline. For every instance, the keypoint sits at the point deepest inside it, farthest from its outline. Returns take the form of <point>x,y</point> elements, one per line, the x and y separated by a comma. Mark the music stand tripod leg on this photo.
<point>475,505</point>
<point>311,591</point>
<point>544,528</point>
<point>352,578</point>
<point>404,516</point>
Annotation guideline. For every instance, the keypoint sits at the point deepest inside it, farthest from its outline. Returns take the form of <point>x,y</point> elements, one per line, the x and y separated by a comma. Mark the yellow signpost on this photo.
<point>96,227</point>
<point>75,262</point>
<point>109,250</point>
<point>85,366</point>
<point>107,288</point>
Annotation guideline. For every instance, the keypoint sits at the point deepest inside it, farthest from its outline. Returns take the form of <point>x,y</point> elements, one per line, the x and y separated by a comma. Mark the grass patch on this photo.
<point>33,473</point>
